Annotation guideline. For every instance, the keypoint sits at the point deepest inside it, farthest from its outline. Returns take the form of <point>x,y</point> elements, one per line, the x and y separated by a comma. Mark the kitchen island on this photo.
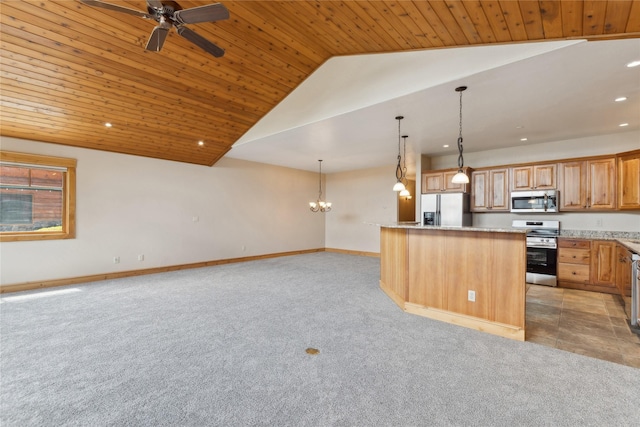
<point>472,277</point>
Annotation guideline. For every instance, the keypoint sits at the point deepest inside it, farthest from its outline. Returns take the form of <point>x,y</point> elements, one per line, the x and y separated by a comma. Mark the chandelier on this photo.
<point>399,186</point>
<point>320,205</point>
<point>460,177</point>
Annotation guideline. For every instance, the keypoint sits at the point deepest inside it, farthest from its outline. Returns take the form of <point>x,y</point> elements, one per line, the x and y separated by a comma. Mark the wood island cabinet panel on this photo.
<point>629,181</point>
<point>436,269</point>
<point>426,258</point>
<point>393,262</point>
<point>534,177</point>
<point>603,263</point>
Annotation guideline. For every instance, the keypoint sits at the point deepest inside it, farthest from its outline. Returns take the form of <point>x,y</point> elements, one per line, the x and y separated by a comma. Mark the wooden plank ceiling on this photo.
<point>68,68</point>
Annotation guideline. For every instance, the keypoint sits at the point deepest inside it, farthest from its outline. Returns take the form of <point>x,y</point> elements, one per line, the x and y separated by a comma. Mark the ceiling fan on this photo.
<point>169,14</point>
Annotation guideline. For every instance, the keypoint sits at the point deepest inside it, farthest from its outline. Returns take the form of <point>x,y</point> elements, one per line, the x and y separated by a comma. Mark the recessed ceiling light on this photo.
<point>523,139</point>
<point>633,64</point>
<point>620,99</point>
<point>623,124</point>
<point>108,124</point>
<point>445,146</point>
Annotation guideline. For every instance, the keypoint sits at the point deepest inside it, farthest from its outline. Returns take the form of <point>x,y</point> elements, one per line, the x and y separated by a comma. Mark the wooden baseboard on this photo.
<point>588,287</point>
<point>120,274</point>
<point>360,253</point>
<point>495,328</point>
<point>394,297</point>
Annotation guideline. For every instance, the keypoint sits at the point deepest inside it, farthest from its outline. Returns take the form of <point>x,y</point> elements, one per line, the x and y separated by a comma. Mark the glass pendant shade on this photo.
<point>460,178</point>
<point>399,186</point>
<point>405,193</point>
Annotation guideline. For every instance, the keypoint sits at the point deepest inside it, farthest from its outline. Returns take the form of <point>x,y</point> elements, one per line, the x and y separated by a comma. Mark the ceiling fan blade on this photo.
<point>158,36</point>
<point>200,41</point>
<point>116,8</point>
<point>207,13</point>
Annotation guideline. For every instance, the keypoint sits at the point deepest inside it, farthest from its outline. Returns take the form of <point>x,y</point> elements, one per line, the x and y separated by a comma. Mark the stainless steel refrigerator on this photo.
<point>445,209</point>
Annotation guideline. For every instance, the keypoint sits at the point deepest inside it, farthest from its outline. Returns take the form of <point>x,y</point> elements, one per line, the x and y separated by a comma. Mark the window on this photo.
<point>37,197</point>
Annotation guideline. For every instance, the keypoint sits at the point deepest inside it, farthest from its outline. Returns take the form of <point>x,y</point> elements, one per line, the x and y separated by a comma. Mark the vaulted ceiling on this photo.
<point>67,68</point>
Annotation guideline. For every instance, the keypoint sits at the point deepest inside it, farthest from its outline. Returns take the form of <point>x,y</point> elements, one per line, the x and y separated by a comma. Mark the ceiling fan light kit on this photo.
<point>169,14</point>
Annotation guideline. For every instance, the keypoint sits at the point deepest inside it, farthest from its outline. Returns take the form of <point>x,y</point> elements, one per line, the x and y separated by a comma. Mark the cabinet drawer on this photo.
<point>573,272</point>
<point>574,256</point>
<point>574,243</point>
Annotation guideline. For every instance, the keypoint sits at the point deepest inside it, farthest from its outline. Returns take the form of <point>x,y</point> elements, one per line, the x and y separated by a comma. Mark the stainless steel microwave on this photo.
<point>534,201</point>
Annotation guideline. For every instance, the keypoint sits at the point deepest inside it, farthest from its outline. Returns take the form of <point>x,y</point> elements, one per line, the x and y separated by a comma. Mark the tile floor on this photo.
<point>588,323</point>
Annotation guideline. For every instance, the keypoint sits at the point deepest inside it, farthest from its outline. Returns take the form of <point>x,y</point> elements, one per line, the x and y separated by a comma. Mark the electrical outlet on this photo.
<point>599,222</point>
<point>141,257</point>
<point>472,296</point>
<point>195,219</point>
<point>116,260</point>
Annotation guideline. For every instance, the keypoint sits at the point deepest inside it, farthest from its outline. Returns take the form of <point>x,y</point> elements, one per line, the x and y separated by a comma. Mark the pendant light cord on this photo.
<point>460,158</point>
<point>399,167</point>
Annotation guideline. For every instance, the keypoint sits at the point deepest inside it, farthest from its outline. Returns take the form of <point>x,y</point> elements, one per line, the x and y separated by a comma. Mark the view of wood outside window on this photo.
<point>37,197</point>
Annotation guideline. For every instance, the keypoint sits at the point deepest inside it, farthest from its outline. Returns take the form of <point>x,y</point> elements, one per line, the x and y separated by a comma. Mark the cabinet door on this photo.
<point>623,271</point>
<point>603,262</point>
<point>522,178</point>
<point>629,181</point>
<point>573,186</point>
<point>432,182</point>
<point>447,185</point>
<point>499,191</point>
<point>544,177</point>
<point>479,191</point>
<point>602,184</point>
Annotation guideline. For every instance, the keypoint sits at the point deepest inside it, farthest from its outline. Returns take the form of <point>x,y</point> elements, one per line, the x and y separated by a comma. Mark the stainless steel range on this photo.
<point>542,250</point>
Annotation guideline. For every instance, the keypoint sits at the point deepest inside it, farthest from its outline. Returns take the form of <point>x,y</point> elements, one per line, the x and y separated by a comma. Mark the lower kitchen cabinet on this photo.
<point>623,270</point>
<point>587,265</point>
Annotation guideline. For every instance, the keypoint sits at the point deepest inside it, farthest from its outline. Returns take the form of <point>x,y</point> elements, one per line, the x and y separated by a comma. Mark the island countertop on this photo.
<point>417,226</point>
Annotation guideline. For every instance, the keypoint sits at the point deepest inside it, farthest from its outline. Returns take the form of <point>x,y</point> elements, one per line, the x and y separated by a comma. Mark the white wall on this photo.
<point>583,147</point>
<point>128,205</point>
<point>360,198</point>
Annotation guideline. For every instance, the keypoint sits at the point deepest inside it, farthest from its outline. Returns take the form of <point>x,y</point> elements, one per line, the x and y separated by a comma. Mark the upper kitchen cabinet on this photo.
<point>440,181</point>
<point>533,177</point>
<point>629,180</point>
<point>588,184</point>
<point>490,190</point>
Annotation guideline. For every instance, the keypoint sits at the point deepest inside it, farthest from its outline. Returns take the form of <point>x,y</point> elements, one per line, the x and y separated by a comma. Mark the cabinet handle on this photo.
<point>574,257</point>
<point>573,272</point>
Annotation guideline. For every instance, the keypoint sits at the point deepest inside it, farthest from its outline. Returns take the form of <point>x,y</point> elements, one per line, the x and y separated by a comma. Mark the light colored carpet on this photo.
<point>225,346</point>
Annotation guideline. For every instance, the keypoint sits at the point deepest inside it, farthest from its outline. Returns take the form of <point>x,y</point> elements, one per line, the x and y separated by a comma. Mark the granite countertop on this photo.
<point>417,226</point>
<point>630,239</point>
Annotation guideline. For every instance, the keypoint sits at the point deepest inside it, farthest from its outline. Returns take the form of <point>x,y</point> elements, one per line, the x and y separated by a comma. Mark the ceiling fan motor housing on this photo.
<point>168,9</point>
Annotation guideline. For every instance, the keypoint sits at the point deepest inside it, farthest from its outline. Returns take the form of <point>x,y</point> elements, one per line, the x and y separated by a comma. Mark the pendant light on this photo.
<point>405,192</point>
<point>460,177</point>
<point>320,205</point>
<point>399,186</point>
